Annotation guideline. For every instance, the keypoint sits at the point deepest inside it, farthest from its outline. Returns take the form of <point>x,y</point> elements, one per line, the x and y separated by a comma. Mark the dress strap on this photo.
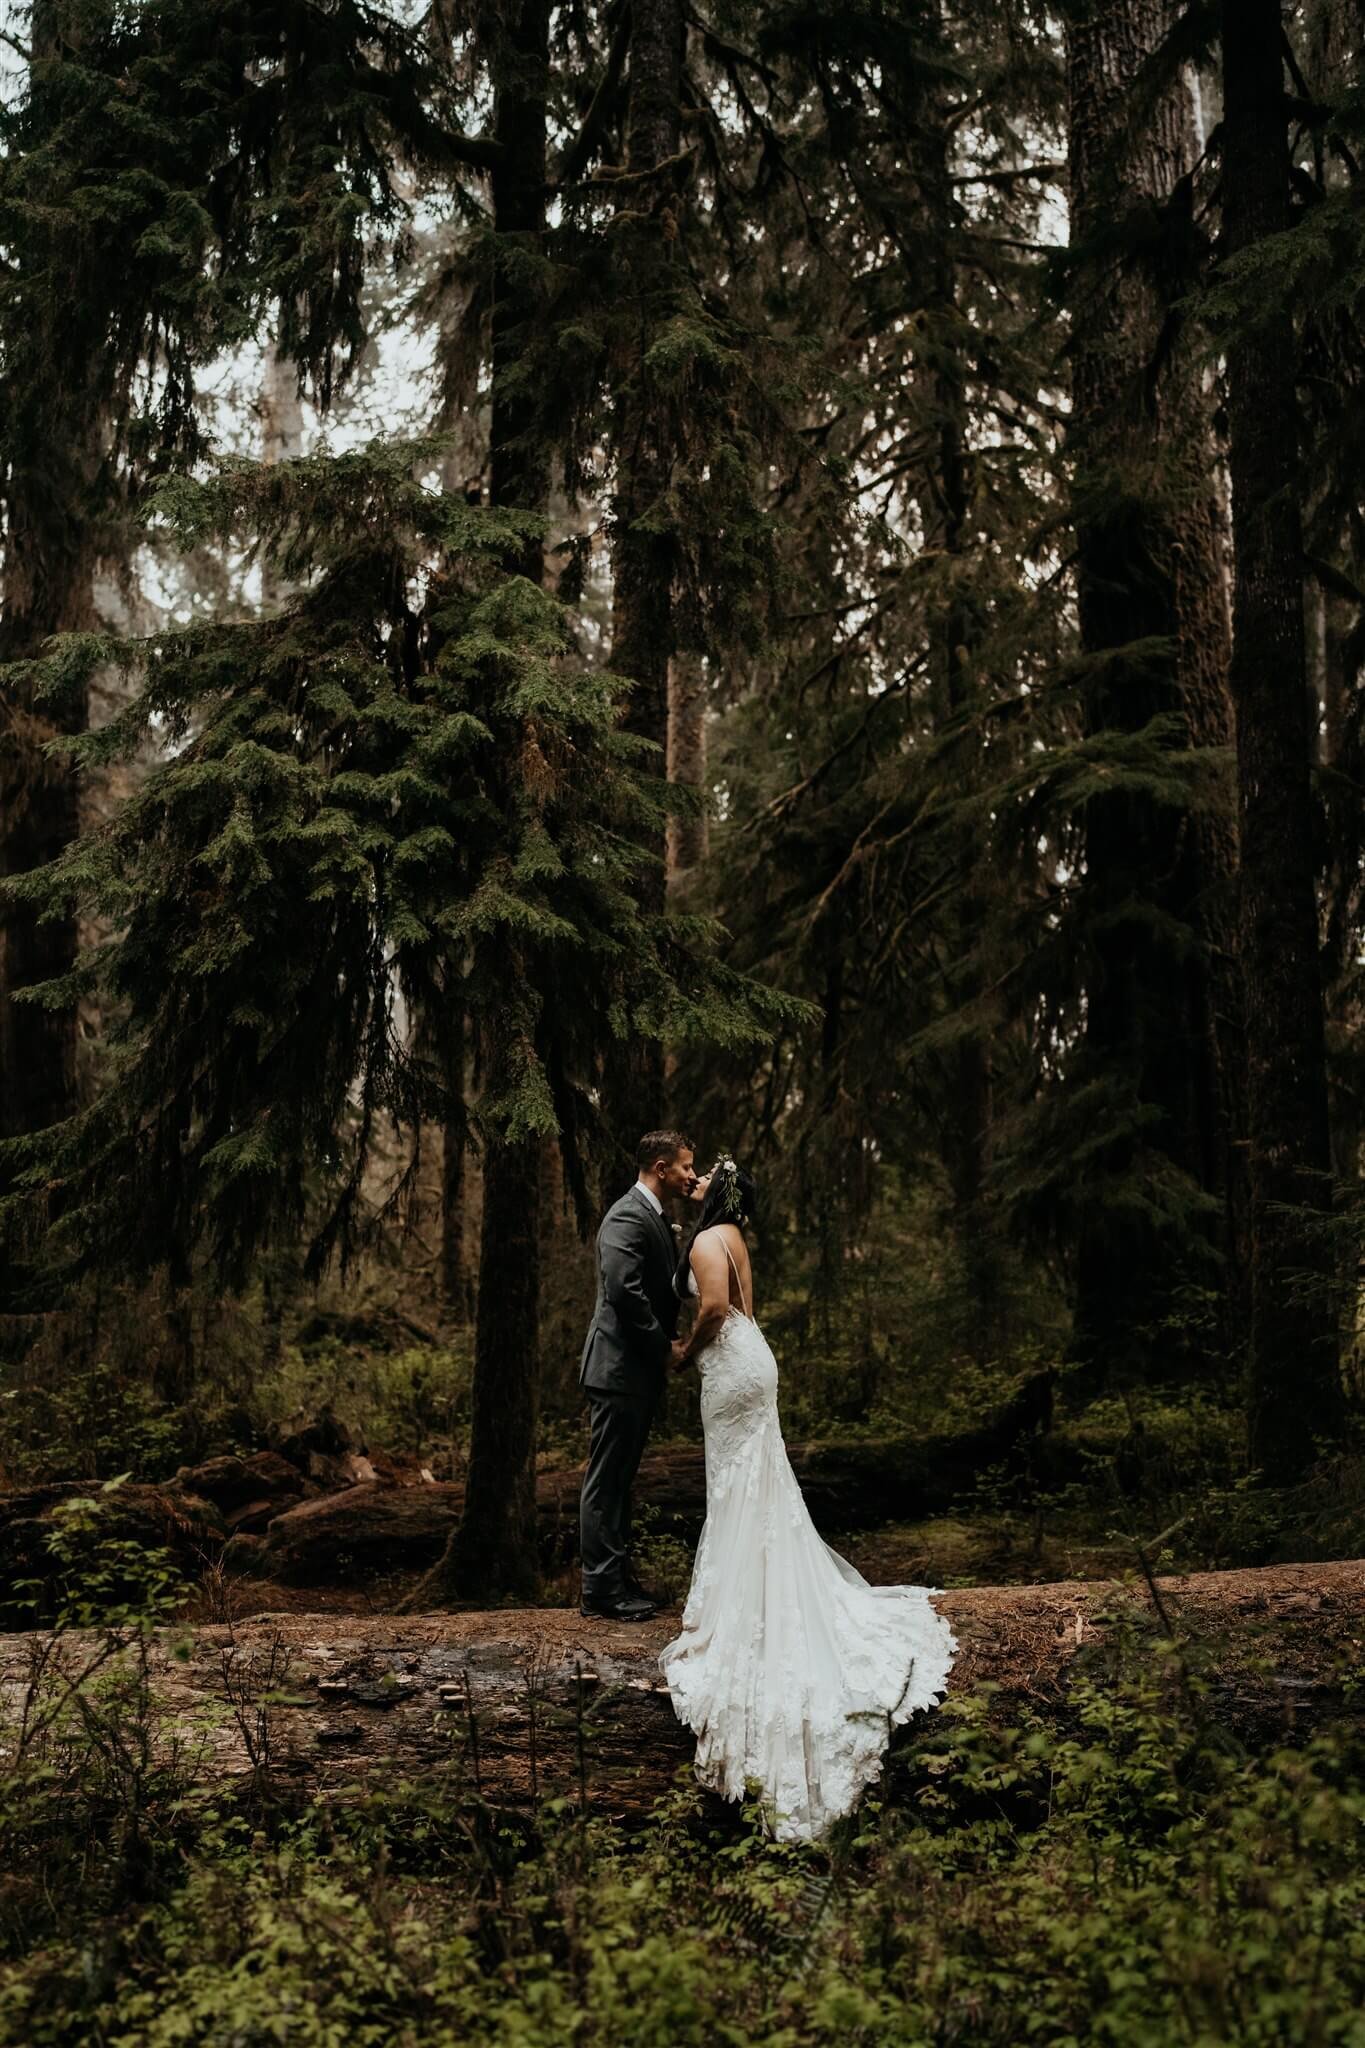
<point>735,1270</point>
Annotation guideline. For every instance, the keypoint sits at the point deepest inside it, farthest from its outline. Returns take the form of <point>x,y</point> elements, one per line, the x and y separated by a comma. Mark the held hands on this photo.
<point>677,1355</point>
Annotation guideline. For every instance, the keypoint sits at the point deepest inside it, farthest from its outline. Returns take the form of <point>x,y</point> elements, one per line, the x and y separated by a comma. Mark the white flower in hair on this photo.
<point>728,1173</point>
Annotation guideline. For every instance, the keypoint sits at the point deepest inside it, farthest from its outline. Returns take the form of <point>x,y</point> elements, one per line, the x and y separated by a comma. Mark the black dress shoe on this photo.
<point>639,1592</point>
<point>617,1607</point>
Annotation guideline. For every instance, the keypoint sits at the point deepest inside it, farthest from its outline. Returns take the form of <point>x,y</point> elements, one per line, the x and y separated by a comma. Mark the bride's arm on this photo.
<point>713,1280</point>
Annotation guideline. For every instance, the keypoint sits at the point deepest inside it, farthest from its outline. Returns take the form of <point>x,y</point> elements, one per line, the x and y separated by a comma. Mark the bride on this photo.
<point>790,1668</point>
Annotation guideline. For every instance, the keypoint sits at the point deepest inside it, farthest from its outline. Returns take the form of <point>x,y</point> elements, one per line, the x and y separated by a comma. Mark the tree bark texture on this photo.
<point>520,1705</point>
<point>1293,1385</point>
<point>1162,994</point>
<point>493,1552</point>
<point>51,555</point>
<point>39,817</point>
<point>687,836</point>
<point>644,546</point>
<point>519,459</point>
<point>1342,647</point>
<point>455,1288</point>
<point>968,1138</point>
<point>53,477</point>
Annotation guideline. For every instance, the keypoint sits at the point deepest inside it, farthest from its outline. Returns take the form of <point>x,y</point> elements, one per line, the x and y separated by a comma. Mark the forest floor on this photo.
<point>300,1799</point>
<point>531,1702</point>
<point>945,1551</point>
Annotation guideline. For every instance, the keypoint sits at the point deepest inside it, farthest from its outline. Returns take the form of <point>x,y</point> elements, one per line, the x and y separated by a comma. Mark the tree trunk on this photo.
<point>518,1707</point>
<point>643,557</point>
<point>971,1091</point>
<point>492,1554</point>
<point>281,414</point>
<point>643,542</point>
<point>687,836</point>
<point>1342,644</point>
<point>1293,1384</point>
<point>455,1289</point>
<point>48,587</point>
<point>519,460</point>
<point>1161,1012</point>
<point>53,463</point>
<point>39,817</point>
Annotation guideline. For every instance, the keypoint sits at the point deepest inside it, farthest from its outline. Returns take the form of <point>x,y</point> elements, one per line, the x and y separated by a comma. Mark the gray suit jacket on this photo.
<point>636,1317</point>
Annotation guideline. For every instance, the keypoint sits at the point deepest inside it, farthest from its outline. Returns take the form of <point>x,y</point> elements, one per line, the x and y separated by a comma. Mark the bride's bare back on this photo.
<point>724,1276</point>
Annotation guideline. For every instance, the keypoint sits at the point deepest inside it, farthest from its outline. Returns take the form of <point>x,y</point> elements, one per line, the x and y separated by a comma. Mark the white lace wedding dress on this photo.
<point>790,1668</point>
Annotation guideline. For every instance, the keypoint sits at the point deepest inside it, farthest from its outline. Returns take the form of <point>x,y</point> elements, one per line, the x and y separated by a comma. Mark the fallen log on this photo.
<point>850,1483</point>
<point>320,1512</point>
<point>362,1533</point>
<point>519,1703</point>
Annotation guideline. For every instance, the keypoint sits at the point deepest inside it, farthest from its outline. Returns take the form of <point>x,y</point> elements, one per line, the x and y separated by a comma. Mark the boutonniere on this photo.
<point>676,1228</point>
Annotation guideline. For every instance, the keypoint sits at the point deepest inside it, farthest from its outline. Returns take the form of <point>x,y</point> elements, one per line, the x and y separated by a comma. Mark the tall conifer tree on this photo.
<point>901,182</point>
<point>1162,1015</point>
<point>494,1550</point>
<point>1293,1384</point>
<point>132,194</point>
<point>650,187</point>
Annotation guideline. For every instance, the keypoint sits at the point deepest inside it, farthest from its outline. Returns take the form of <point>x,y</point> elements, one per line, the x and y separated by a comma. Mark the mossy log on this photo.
<point>850,1483</point>
<point>317,1512</point>
<point>520,1703</point>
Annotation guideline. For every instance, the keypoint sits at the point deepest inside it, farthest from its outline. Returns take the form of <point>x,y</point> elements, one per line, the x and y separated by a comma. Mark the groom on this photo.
<point>630,1346</point>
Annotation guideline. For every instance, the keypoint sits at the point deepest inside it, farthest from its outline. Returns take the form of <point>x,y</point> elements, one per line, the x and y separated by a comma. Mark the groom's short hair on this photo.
<point>660,1145</point>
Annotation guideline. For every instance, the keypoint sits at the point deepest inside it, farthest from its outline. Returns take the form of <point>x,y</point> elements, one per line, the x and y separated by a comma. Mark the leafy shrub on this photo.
<point>98,1576</point>
<point>663,1562</point>
<point>90,1424</point>
<point>92,1784</point>
<point>1131,1876</point>
<point>411,1400</point>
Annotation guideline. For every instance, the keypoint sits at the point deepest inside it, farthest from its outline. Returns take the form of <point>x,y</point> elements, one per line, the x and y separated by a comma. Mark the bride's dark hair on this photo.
<point>730,1198</point>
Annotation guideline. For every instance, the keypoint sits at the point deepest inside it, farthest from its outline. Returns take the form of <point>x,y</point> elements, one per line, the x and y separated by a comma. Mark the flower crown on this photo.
<point>725,1175</point>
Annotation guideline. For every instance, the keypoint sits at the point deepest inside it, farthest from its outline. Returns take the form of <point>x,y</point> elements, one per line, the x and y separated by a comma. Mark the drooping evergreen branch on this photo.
<point>406,775</point>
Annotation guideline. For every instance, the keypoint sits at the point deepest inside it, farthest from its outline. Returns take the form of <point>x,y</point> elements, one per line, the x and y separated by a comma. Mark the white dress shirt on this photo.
<point>650,1197</point>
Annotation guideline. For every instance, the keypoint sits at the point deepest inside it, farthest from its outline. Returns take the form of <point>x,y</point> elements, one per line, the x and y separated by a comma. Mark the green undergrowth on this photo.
<point>1128,1873</point>
<point>1040,1537</point>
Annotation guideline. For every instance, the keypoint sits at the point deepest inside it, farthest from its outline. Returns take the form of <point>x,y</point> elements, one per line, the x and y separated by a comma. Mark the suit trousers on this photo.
<point>620,1425</point>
